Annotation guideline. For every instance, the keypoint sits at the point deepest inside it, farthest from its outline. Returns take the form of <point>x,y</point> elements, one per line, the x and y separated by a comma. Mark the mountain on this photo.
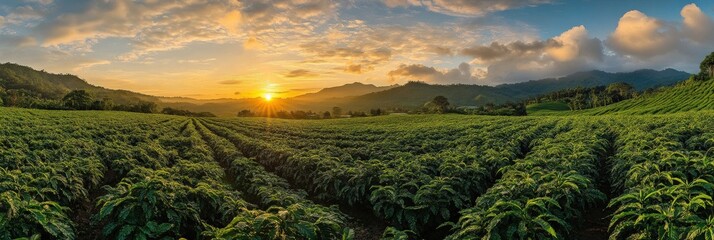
<point>55,86</point>
<point>347,90</point>
<point>640,80</point>
<point>690,95</point>
<point>354,96</point>
<point>415,94</point>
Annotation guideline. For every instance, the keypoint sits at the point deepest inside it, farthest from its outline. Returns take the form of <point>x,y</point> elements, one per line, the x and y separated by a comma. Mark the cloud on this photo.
<point>253,43</point>
<point>697,25</point>
<point>197,61</point>
<point>573,50</point>
<point>300,73</point>
<point>236,93</point>
<point>150,25</point>
<point>642,36</point>
<point>575,44</point>
<point>419,72</point>
<point>22,14</point>
<point>41,2</point>
<point>2,21</point>
<point>353,68</point>
<point>497,50</point>
<point>230,82</point>
<point>17,41</point>
<point>641,41</point>
<point>163,25</point>
<point>465,7</point>
<point>89,63</point>
<point>358,48</point>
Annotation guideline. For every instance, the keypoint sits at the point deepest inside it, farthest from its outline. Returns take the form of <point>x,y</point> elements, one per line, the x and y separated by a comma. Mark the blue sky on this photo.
<point>233,49</point>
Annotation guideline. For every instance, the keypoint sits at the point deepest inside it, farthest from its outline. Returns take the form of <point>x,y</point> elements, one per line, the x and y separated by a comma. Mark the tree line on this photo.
<point>588,97</point>
<point>83,100</point>
<point>336,112</point>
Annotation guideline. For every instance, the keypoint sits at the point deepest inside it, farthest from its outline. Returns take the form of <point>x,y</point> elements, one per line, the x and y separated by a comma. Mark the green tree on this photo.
<point>619,91</point>
<point>706,68</point>
<point>439,104</point>
<point>78,99</point>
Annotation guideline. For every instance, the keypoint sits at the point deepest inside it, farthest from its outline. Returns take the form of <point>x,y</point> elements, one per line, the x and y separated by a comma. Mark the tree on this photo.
<point>619,91</point>
<point>78,99</point>
<point>336,111</point>
<point>706,68</point>
<point>245,113</point>
<point>326,115</point>
<point>439,104</point>
<point>147,107</point>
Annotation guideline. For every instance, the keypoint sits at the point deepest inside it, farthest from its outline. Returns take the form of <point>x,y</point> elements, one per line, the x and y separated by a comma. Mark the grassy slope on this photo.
<point>687,96</point>
<point>547,108</point>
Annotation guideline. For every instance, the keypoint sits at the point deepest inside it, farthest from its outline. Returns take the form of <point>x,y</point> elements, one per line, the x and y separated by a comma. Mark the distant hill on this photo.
<point>640,80</point>
<point>690,95</point>
<point>55,86</point>
<point>347,90</point>
<point>415,94</point>
<point>354,96</point>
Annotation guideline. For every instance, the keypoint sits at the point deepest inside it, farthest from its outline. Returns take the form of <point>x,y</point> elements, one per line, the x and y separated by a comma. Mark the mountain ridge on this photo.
<point>352,96</point>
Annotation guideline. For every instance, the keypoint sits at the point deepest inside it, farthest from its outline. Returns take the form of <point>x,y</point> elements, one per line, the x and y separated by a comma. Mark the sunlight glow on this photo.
<point>268,97</point>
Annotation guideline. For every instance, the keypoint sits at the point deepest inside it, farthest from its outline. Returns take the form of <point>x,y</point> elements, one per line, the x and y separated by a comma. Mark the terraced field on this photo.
<point>687,96</point>
<point>87,175</point>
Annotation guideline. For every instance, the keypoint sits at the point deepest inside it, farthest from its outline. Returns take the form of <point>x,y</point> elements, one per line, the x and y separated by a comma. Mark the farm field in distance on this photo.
<point>87,175</point>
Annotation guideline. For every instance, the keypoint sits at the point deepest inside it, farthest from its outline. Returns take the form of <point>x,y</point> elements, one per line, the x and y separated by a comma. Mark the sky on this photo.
<point>209,49</point>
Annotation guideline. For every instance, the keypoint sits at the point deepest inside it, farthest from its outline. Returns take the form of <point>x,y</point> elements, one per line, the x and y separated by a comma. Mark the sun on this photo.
<point>268,97</point>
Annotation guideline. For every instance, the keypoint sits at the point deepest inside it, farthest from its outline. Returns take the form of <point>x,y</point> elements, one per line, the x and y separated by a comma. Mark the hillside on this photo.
<point>355,96</point>
<point>640,80</point>
<point>690,95</point>
<point>415,94</point>
<point>347,90</point>
<point>55,86</point>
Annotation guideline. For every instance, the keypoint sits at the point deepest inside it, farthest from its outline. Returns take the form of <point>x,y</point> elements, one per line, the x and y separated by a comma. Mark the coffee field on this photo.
<point>113,175</point>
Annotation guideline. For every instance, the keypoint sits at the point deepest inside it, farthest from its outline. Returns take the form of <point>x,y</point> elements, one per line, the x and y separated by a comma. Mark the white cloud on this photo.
<point>575,44</point>
<point>697,25</point>
<point>22,14</point>
<point>465,7</point>
<point>642,36</point>
<point>153,25</point>
<point>573,50</point>
<point>640,41</point>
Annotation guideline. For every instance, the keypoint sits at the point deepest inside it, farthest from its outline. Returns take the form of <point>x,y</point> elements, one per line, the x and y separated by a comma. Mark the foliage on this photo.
<point>179,112</point>
<point>439,104</point>
<point>78,100</point>
<point>428,176</point>
<point>706,68</point>
<point>23,217</point>
<point>584,98</point>
<point>687,96</point>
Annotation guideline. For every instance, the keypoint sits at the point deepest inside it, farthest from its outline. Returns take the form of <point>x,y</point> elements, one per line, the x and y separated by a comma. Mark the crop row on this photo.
<point>287,210</point>
<point>412,192</point>
<point>665,172</point>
